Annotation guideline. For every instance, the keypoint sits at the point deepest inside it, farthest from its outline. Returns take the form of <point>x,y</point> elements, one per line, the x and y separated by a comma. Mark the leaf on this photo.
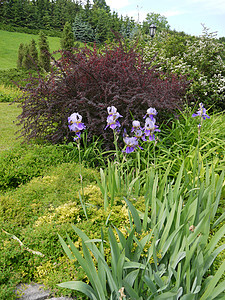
<point>81,287</point>
<point>135,215</point>
<point>218,235</point>
<point>208,294</point>
<point>131,277</point>
<point>66,248</point>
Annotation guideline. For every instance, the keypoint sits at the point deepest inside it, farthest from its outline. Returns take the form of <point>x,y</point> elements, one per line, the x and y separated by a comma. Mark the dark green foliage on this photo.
<point>33,54</point>
<point>67,41</point>
<point>44,58</point>
<point>20,55</point>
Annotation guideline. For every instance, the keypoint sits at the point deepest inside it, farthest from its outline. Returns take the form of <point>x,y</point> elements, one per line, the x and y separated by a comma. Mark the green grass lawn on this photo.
<point>9,44</point>
<point>8,113</point>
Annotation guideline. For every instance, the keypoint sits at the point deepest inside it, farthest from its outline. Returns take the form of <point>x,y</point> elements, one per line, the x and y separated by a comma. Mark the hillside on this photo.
<point>9,44</point>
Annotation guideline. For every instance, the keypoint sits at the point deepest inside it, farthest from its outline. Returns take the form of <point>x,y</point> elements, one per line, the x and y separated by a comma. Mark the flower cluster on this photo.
<point>76,125</point>
<point>131,143</point>
<point>112,119</point>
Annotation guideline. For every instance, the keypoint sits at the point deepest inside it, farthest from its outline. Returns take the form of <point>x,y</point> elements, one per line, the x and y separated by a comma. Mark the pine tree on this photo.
<point>20,55</point>
<point>67,41</point>
<point>44,58</point>
<point>33,53</point>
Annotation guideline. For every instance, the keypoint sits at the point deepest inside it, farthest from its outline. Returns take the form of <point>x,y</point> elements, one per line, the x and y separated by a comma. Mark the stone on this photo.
<point>34,291</point>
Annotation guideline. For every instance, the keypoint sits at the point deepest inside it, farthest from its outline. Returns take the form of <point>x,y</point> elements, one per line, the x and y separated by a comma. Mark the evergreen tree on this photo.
<point>44,58</point>
<point>101,4</point>
<point>67,41</point>
<point>33,53</point>
<point>102,29</point>
<point>27,60</point>
<point>82,31</point>
<point>20,55</point>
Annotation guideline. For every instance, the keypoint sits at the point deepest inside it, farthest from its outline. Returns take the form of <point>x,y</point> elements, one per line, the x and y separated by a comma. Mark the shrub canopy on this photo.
<point>89,81</point>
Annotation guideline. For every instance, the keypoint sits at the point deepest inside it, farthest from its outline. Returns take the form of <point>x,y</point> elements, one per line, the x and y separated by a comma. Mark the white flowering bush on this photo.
<point>198,58</point>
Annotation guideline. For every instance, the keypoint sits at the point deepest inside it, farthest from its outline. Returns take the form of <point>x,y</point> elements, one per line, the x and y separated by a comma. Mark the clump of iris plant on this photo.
<point>76,125</point>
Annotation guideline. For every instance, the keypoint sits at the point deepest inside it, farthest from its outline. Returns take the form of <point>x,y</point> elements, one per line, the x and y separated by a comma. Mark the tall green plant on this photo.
<point>175,263</point>
<point>44,58</point>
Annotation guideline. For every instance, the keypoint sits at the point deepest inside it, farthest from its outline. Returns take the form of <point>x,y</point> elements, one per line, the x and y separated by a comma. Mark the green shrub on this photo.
<point>199,58</point>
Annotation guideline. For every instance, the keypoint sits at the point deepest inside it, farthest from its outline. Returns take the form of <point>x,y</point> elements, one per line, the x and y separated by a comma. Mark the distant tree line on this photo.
<point>90,22</point>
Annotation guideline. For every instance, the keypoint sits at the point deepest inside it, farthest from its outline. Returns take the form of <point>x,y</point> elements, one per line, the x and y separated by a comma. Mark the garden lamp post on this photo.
<point>152,30</point>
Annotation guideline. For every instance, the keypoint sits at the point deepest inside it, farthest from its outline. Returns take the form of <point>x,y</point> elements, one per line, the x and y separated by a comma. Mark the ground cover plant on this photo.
<point>50,199</point>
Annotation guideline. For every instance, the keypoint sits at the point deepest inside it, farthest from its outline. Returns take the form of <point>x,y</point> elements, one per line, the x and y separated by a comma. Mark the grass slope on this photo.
<point>8,129</point>
<point>9,44</point>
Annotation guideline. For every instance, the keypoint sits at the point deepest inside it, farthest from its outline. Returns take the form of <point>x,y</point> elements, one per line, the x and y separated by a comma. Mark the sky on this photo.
<point>182,15</point>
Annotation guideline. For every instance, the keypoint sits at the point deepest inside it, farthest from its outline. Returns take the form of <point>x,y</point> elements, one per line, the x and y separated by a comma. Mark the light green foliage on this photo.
<point>67,41</point>
<point>9,94</point>
<point>197,58</point>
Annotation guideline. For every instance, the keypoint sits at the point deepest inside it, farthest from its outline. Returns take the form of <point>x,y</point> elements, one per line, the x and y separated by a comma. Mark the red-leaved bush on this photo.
<point>89,81</point>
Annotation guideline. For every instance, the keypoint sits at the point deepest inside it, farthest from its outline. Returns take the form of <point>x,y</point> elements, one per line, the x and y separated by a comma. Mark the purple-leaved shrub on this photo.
<point>90,80</point>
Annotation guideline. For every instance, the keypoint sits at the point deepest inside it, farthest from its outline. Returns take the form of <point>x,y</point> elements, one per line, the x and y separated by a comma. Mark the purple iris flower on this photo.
<point>112,119</point>
<point>76,125</point>
<point>137,130</point>
<point>201,112</point>
<point>131,144</point>
<point>151,112</point>
<point>150,128</point>
<point>135,126</point>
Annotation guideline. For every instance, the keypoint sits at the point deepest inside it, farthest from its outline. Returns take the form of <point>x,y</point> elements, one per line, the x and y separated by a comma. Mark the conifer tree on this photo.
<point>27,60</point>
<point>82,30</point>
<point>67,41</point>
<point>20,55</point>
<point>33,53</point>
<point>44,58</point>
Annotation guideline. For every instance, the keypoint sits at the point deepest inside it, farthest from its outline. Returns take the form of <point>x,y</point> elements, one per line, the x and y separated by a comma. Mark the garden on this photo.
<point>112,172</point>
